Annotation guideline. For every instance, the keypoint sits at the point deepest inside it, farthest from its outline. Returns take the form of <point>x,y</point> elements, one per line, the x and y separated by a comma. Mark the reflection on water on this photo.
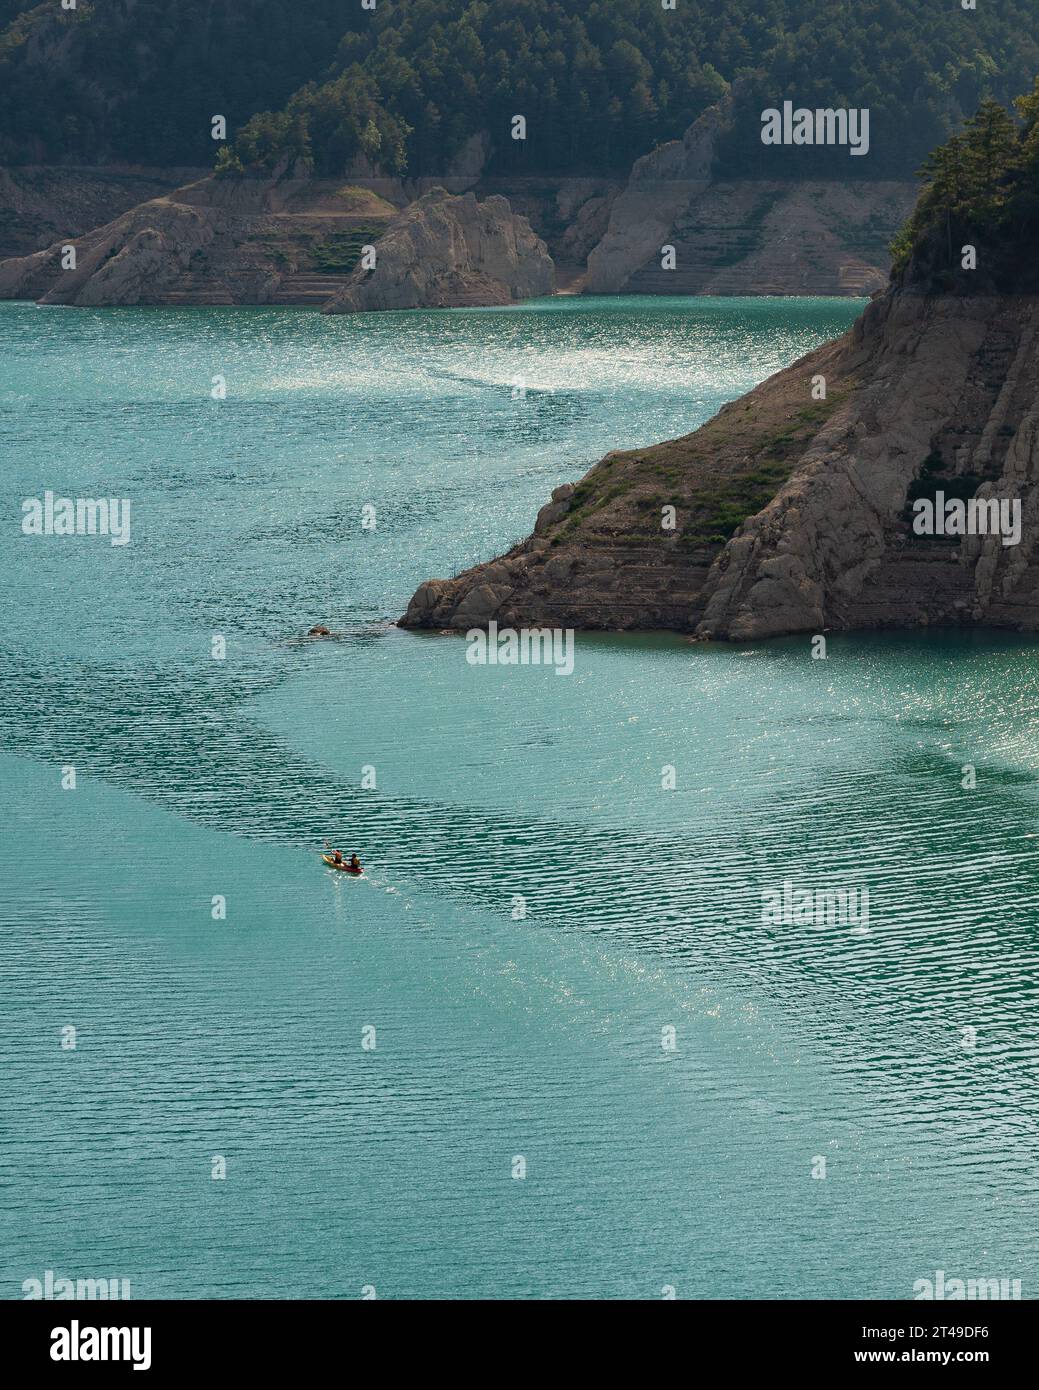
<point>501,1032</point>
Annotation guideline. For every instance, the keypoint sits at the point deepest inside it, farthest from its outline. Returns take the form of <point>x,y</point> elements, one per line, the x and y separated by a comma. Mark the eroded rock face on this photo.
<point>923,394</point>
<point>661,187</point>
<point>743,236</point>
<point>41,205</point>
<point>444,251</point>
<point>286,240</point>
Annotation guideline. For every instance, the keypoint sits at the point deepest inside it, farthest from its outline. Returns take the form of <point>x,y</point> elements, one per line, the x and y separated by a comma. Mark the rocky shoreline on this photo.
<point>298,241</point>
<point>448,251</point>
<point>668,227</point>
<point>746,236</point>
<point>291,241</point>
<point>791,512</point>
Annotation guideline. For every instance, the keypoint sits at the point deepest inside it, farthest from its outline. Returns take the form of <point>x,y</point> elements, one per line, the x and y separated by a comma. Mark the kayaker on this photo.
<point>355,864</point>
<point>337,858</point>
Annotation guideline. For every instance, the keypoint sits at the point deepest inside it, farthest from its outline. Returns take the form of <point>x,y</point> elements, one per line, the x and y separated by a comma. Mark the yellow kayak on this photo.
<point>343,868</point>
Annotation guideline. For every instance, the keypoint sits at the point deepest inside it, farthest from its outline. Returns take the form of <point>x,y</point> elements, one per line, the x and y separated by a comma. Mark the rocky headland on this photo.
<point>792,513</point>
<point>448,251</point>
<point>291,240</point>
<point>215,241</point>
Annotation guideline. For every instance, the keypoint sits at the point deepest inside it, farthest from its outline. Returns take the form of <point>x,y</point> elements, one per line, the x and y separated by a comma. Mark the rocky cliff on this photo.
<point>291,241</point>
<point>444,251</point>
<point>792,514</point>
<point>41,205</point>
<point>742,236</point>
<point>215,241</point>
<point>750,237</point>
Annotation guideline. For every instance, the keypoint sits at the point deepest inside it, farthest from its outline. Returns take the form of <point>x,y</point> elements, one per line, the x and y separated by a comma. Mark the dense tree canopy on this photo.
<point>981,191</point>
<point>599,82</point>
<point>140,80</point>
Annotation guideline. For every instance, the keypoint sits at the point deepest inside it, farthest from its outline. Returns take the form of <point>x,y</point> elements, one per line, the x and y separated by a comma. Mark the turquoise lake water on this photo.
<point>497,1038</point>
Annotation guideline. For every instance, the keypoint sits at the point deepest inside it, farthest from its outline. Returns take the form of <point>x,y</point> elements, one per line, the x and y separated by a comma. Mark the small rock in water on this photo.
<point>319,631</point>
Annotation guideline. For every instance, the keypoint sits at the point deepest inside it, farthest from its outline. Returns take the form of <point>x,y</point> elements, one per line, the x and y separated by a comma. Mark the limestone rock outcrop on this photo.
<point>292,240</point>
<point>444,251</point>
<point>742,236</point>
<point>794,514</point>
<point>286,240</point>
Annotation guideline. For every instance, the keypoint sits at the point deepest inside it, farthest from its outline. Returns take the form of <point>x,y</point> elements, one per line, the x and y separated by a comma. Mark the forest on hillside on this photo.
<point>981,191</point>
<point>599,82</point>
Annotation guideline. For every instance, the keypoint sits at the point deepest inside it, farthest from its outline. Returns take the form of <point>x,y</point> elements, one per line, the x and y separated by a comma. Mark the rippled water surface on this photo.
<point>902,1052</point>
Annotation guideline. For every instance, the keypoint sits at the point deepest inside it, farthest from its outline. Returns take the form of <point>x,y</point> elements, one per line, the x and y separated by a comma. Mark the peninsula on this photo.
<point>792,510</point>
